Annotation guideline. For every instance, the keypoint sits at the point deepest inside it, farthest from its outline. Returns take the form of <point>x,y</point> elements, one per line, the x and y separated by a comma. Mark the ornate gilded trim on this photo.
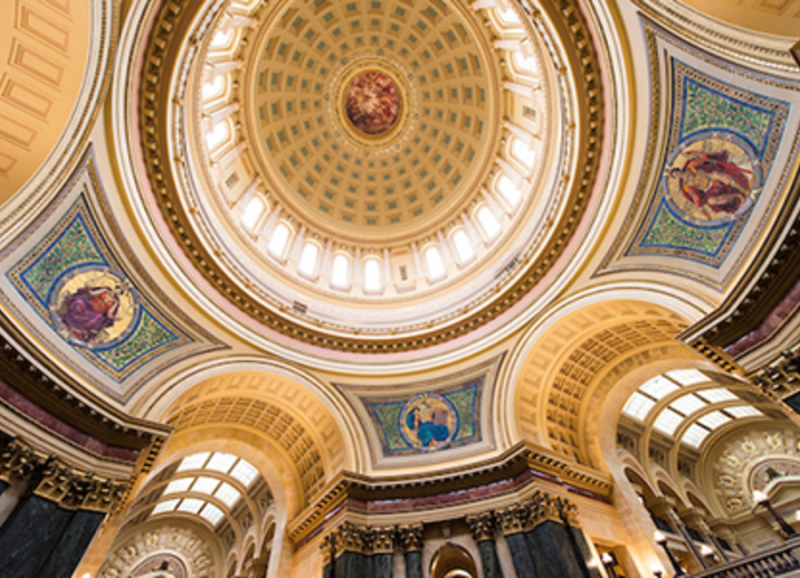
<point>171,24</point>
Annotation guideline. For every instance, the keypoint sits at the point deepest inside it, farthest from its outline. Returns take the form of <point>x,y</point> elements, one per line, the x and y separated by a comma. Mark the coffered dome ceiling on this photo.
<point>332,158</point>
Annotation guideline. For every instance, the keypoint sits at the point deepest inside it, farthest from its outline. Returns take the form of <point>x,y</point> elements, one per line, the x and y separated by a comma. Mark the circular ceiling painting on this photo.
<point>372,102</point>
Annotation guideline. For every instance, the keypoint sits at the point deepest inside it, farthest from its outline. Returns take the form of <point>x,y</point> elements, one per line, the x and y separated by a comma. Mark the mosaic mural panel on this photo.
<point>722,143</point>
<point>418,422</point>
<point>428,422</point>
<point>84,288</point>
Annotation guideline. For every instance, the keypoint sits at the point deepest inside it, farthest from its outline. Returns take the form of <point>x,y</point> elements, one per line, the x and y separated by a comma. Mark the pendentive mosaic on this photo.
<point>101,305</point>
<point>721,144</point>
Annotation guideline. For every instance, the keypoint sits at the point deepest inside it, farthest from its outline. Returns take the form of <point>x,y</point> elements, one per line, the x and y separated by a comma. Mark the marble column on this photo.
<point>695,518</point>
<point>550,543</point>
<point>482,528</point>
<point>73,543</point>
<point>349,552</point>
<point>411,540</point>
<point>512,524</point>
<point>583,551</point>
<point>382,552</point>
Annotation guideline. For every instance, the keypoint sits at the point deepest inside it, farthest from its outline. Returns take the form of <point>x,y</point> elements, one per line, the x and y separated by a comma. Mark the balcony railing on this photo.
<point>778,561</point>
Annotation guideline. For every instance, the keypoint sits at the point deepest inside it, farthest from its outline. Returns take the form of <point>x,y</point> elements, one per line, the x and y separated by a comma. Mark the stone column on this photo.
<point>75,538</point>
<point>349,552</point>
<point>664,507</point>
<point>411,539</point>
<point>512,523</point>
<point>694,517</point>
<point>551,544</point>
<point>583,550</point>
<point>382,552</point>
<point>482,528</point>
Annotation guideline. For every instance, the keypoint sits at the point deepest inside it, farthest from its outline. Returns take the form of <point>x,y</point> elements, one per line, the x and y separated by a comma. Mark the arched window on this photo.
<point>218,134</point>
<point>221,39</point>
<point>340,272</point>
<point>509,191</point>
<point>508,17</point>
<point>372,275</point>
<point>252,212</point>
<point>488,223</point>
<point>524,154</point>
<point>213,88</point>
<point>279,240</point>
<point>453,561</point>
<point>463,246</point>
<point>525,64</point>
<point>434,263</point>
<point>308,260</point>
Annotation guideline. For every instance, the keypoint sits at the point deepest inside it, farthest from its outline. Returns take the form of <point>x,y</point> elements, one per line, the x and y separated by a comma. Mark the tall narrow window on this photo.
<point>525,64</point>
<point>463,246</point>
<point>340,272</point>
<point>279,240</point>
<point>214,88</point>
<point>433,260</point>
<point>523,153</point>
<point>509,191</point>
<point>372,276</point>
<point>221,39</point>
<point>218,134</point>
<point>308,260</point>
<point>488,223</point>
<point>252,212</point>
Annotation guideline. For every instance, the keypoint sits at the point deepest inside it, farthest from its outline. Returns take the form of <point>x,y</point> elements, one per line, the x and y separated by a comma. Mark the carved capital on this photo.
<point>569,512</point>
<point>328,547</point>
<point>544,508</point>
<point>382,540</point>
<point>349,538</point>
<point>513,519</point>
<point>18,460</point>
<point>411,537</point>
<point>482,526</point>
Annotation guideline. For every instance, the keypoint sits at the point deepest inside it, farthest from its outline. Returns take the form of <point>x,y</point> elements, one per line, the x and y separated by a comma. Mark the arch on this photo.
<point>253,212</point>
<point>341,270</point>
<point>373,277</point>
<point>487,222</point>
<point>462,245</point>
<point>308,265</point>
<point>280,239</point>
<point>452,561</point>
<point>434,263</point>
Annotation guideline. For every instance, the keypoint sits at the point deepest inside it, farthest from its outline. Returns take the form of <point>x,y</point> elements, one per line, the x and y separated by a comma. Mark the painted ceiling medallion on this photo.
<point>372,102</point>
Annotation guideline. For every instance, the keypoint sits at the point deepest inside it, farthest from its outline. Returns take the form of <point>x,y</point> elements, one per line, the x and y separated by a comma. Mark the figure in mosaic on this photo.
<point>429,422</point>
<point>712,182</point>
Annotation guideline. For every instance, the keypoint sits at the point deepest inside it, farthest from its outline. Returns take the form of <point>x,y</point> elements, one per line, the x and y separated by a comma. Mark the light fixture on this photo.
<point>707,553</point>
<point>610,561</point>
<point>760,497</point>
<point>657,570</point>
<point>659,537</point>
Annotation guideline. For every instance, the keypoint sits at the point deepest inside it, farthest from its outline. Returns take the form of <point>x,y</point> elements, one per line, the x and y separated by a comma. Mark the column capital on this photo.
<point>328,547</point>
<point>349,538</point>
<point>19,460</point>
<point>482,526</point>
<point>382,539</point>
<point>514,519</point>
<point>411,537</point>
<point>545,507</point>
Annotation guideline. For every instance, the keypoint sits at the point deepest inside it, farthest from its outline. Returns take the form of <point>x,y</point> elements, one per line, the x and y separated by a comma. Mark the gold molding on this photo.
<point>171,25</point>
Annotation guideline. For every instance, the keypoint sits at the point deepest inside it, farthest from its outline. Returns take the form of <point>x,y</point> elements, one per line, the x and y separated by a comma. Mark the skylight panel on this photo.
<point>308,259</point>
<point>214,87</point>
<point>165,506</point>
<point>205,485</point>
<point>279,240</point>
<point>221,39</point>
<point>488,223</point>
<point>668,421</point>
<point>194,462</point>
<point>181,485</point>
<point>190,505</point>
<point>433,259</point>
<point>244,472</point>
<point>217,135</point>
<point>526,64</point>
<point>508,16</point>
<point>523,153</point>
<point>638,406</point>
<point>743,411</point>
<point>659,387</point>
<point>372,275</point>
<point>688,404</point>
<point>694,435</point>
<point>687,376</point>
<point>714,419</point>
<point>340,272</point>
<point>212,514</point>
<point>252,212</point>
<point>464,250</point>
<point>221,462</point>
<point>509,191</point>
<point>227,494</point>
<point>717,395</point>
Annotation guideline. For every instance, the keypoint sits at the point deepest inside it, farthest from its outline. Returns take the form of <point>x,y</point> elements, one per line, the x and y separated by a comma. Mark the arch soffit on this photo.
<point>307,398</point>
<point>629,462</point>
<point>582,344</point>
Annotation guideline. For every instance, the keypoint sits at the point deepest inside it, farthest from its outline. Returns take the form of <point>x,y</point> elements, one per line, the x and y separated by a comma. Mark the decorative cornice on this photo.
<point>172,22</point>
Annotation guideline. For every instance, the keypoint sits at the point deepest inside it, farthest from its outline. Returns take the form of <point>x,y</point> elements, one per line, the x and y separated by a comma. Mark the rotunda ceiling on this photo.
<point>332,160</point>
